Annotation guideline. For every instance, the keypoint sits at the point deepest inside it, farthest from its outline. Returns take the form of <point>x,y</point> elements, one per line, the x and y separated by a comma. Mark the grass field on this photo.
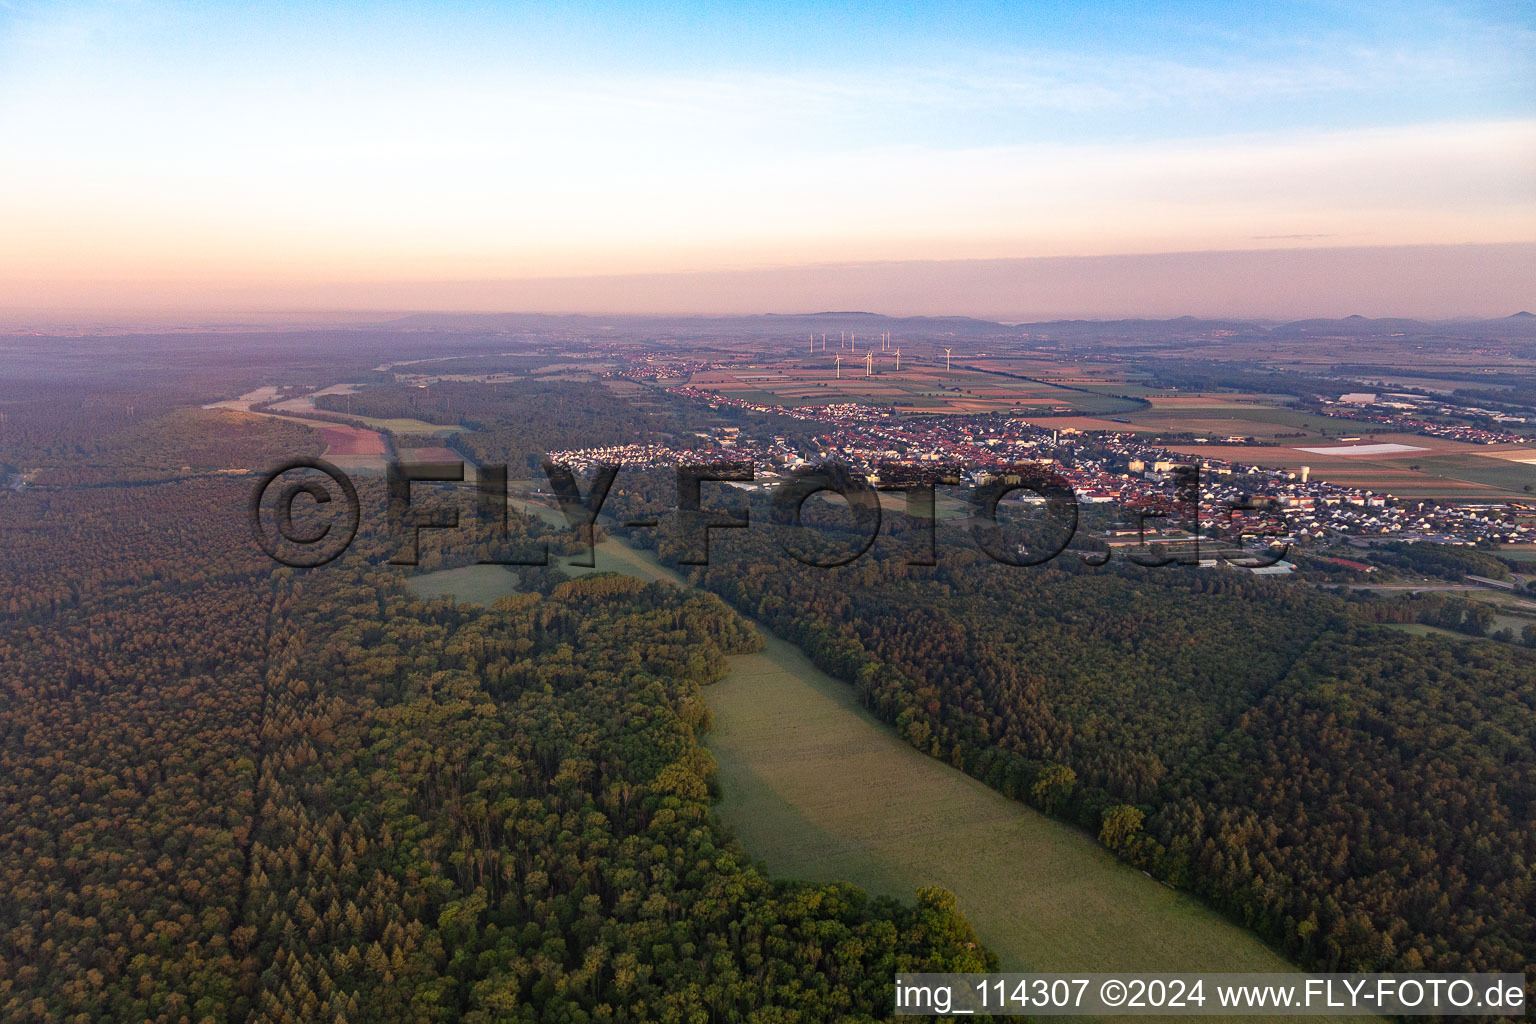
<point>1222,414</point>
<point>1513,610</point>
<point>1092,403</point>
<point>1432,467</point>
<point>1501,473</point>
<point>472,584</point>
<point>1130,388</point>
<point>407,426</point>
<point>341,439</point>
<point>915,388</point>
<point>819,789</point>
<point>1419,629</point>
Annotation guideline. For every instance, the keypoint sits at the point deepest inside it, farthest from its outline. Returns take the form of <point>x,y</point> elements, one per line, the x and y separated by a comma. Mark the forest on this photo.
<point>236,792</point>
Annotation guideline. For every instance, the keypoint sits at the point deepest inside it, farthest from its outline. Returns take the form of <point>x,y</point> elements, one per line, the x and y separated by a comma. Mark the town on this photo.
<point>1104,468</point>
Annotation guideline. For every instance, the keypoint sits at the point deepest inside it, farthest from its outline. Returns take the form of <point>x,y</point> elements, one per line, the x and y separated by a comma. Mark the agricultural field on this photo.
<point>1109,377</point>
<point>401,425</point>
<point>1504,474</point>
<point>1086,394</point>
<point>1519,552</point>
<point>347,447</point>
<point>1443,385</point>
<point>925,387</point>
<point>341,439</point>
<point>947,505</point>
<point>243,404</point>
<point>1223,415</point>
<point>1384,354</point>
<point>440,456</point>
<point>1057,370</point>
<point>1405,465</point>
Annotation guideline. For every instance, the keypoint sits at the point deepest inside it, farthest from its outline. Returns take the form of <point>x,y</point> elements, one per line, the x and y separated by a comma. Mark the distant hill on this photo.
<point>761,324</point>
<point>1178,327</point>
<point>1519,326</point>
<point>1352,326</point>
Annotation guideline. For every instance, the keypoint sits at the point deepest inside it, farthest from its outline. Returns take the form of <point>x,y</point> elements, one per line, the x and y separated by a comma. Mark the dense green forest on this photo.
<point>234,793</point>
<point>1440,560</point>
<point>179,443</point>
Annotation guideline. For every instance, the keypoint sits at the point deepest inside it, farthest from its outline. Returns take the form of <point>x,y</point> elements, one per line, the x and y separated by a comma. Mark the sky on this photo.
<point>331,155</point>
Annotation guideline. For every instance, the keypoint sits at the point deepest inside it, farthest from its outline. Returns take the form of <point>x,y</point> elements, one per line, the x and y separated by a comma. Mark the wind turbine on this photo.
<point>898,360</point>
<point>839,363</point>
<point>869,363</point>
<point>946,360</point>
<point>813,344</point>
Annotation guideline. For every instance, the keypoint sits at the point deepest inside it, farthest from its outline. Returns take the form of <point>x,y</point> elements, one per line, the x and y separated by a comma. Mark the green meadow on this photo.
<point>470,584</point>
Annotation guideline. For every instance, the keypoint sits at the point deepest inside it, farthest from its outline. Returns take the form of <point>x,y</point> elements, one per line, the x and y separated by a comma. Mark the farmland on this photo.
<point>349,448</point>
<point>1220,415</point>
<point>917,388</point>
<point>1424,467</point>
<point>404,425</point>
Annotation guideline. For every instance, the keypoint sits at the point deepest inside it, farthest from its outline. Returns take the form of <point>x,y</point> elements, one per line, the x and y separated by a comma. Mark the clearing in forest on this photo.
<point>819,789</point>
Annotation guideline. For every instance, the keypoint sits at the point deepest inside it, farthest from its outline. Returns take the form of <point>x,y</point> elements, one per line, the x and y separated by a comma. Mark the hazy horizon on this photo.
<point>1424,282</point>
